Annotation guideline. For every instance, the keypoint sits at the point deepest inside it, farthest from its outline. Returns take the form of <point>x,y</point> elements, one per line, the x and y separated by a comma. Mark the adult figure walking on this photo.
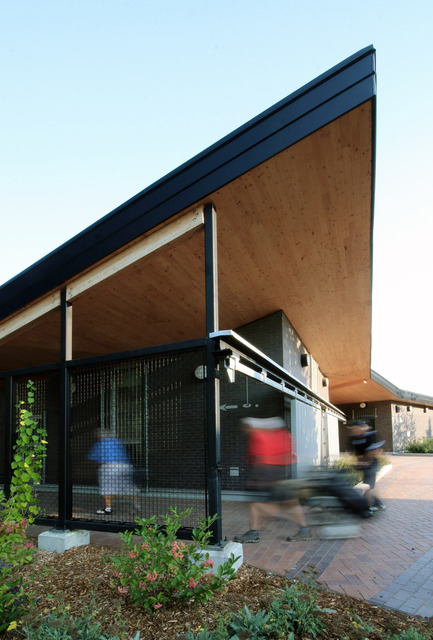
<point>269,456</point>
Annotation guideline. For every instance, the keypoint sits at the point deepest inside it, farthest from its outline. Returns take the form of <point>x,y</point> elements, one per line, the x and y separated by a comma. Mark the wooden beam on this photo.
<point>211,268</point>
<point>189,222</point>
<point>28,315</point>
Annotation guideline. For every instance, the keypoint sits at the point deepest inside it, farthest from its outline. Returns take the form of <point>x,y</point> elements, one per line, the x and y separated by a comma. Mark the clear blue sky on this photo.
<point>100,98</point>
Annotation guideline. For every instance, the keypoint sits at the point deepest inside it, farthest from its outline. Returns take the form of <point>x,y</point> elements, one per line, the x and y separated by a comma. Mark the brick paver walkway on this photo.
<point>390,563</point>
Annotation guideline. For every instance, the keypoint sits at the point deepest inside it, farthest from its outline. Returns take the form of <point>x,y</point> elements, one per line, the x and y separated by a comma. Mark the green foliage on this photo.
<point>220,633</point>
<point>408,634</point>
<point>293,612</point>
<point>245,624</point>
<point>61,625</point>
<point>297,610</point>
<point>19,510</point>
<point>347,465</point>
<point>28,454</point>
<point>422,445</point>
<point>160,570</point>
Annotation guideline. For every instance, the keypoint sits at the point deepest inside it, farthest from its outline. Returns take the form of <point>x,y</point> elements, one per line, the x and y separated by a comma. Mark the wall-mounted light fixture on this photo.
<point>200,372</point>
<point>305,359</point>
<point>397,409</point>
<point>425,409</point>
<point>362,405</point>
<point>409,408</point>
<point>325,382</point>
<point>230,367</point>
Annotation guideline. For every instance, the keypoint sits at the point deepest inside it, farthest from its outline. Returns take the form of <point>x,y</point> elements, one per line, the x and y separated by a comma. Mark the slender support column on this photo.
<point>65,490</point>
<point>212,379</point>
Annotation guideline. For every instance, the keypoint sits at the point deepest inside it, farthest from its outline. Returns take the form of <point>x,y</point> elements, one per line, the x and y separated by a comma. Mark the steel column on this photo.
<point>212,375</point>
<point>65,489</point>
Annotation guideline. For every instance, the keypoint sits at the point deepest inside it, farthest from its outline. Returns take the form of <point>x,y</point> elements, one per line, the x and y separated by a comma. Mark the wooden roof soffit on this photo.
<point>191,221</point>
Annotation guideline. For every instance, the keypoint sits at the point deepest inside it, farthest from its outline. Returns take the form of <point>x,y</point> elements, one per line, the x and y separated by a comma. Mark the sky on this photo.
<point>100,98</point>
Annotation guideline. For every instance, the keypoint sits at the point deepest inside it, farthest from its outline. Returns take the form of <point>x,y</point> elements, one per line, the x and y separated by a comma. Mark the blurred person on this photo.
<point>269,455</point>
<point>367,451</point>
<point>115,471</point>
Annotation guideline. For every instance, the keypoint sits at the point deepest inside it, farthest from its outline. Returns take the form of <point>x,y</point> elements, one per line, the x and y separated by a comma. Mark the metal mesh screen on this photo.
<point>138,438</point>
<point>3,427</point>
<point>46,411</point>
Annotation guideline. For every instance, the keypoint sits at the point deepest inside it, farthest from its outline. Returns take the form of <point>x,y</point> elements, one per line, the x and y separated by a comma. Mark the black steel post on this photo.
<point>212,380</point>
<point>65,507</point>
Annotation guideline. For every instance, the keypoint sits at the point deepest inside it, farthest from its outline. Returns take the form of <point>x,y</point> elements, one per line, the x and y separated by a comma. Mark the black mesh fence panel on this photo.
<point>3,434</point>
<point>45,411</point>
<point>138,438</point>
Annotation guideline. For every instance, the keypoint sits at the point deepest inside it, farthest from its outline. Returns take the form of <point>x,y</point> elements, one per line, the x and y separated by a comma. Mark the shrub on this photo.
<point>160,570</point>
<point>347,465</point>
<point>422,445</point>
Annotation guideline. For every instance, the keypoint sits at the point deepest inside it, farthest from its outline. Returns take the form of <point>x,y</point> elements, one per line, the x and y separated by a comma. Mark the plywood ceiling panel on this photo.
<point>293,234</point>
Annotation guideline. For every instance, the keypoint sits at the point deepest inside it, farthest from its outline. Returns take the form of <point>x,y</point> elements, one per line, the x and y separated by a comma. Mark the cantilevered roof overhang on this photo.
<point>293,190</point>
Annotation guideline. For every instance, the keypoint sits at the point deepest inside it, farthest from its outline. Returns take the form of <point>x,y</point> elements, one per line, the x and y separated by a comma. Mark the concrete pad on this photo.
<point>340,531</point>
<point>60,540</point>
<point>221,553</point>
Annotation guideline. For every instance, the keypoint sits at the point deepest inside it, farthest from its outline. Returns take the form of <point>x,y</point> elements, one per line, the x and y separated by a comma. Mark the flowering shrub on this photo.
<point>160,569</point>
<point>19,510</point>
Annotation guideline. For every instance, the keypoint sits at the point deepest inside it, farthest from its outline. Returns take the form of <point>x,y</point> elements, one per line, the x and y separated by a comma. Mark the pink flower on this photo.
<point>142,585</point>
<point>158,605</point>
<point>152,576</point>
<point>116,574</point>
<point>122,589</point>
<point>192,583</point>
<point>146,547</point>
<point>133,554</point>
<point>28,545</point>
<point>208,563</point>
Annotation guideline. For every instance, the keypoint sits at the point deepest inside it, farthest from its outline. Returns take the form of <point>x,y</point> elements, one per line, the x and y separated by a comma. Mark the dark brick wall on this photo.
<point>379,416</point>
<point>275,336</point>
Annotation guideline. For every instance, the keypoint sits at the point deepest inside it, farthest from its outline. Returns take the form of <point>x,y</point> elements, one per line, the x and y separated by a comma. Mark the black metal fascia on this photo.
<point>334,93</point>
<point>169,347</point>
<point>405,396</point>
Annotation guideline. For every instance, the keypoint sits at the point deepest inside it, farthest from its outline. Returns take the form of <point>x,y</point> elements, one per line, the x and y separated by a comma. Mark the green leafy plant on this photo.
<point>220,633</point>
<point>421,445</point>
<point>160,570</point>
<point>296,610</point>
<point>254,626</point>
<point>19,510</point>
<point>28,454</point>
<point>61,625</point>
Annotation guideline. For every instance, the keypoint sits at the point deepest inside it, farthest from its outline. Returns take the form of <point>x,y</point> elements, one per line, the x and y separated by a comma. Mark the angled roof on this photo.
<point>293,189</point>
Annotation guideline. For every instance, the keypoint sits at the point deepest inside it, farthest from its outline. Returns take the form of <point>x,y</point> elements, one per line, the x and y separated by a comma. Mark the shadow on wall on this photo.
<point>404,430</point>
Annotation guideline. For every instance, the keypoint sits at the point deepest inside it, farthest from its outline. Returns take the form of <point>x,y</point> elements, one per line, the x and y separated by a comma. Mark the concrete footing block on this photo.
<point>340,531</point>
<point>221,553</point>
<point>60,540</point>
